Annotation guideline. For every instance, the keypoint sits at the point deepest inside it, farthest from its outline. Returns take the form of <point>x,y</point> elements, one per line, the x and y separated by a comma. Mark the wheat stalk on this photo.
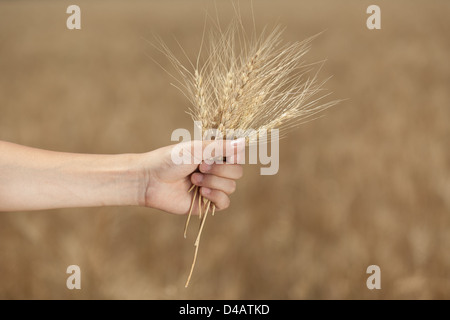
<point>246,83</point>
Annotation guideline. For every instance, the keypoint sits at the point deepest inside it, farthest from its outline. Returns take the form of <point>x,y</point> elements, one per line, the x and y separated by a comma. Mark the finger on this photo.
<point>214,182</point>
<point>219,198</point>
<point>230,171</point>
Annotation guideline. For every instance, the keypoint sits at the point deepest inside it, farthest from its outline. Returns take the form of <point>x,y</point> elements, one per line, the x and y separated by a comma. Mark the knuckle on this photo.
<point>226,203</point>
<point>240,172</point>
<point>233,186</point>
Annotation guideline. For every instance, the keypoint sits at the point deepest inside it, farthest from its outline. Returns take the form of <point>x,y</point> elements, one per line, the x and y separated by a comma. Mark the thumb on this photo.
<point>210,151</point>
<point>217,150</point>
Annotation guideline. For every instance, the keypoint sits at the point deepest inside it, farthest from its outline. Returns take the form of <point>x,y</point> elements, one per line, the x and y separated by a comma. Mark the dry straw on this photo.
<point>247,82</point>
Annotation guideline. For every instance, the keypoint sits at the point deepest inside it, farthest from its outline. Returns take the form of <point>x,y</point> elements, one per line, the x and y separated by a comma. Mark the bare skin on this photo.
<point>35,179</point>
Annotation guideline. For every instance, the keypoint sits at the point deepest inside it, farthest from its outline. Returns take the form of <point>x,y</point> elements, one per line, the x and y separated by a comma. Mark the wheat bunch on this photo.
<point>248,82</point>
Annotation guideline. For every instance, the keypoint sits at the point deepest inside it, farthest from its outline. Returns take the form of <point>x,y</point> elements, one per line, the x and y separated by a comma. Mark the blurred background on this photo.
<point>368,183</point>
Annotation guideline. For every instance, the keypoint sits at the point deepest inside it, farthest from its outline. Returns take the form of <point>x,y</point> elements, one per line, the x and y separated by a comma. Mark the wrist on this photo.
<point>114,180</point>
<point>144,164</point>
<point>130,176</point>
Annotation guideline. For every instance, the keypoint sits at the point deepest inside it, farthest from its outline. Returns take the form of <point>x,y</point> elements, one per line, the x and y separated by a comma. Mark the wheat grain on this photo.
<point>257,83</point>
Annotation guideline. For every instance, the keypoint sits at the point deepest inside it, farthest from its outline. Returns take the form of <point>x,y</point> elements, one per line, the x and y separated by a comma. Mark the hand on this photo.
<point>167,184</point>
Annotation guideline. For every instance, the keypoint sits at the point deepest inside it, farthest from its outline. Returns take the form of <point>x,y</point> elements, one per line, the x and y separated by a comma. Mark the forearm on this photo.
<point>34,179</point>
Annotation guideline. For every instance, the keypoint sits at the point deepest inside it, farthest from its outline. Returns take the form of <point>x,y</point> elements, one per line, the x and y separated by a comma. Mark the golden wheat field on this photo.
<point>367,184</point>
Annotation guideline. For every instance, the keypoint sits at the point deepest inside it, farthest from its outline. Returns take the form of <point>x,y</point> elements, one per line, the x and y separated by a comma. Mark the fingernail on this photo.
<point>198,177</point>
<point>206,191</point>
<point>206,167</point>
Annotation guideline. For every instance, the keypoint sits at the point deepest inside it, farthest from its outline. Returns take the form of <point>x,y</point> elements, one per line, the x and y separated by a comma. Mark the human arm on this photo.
<point>35,179</point>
